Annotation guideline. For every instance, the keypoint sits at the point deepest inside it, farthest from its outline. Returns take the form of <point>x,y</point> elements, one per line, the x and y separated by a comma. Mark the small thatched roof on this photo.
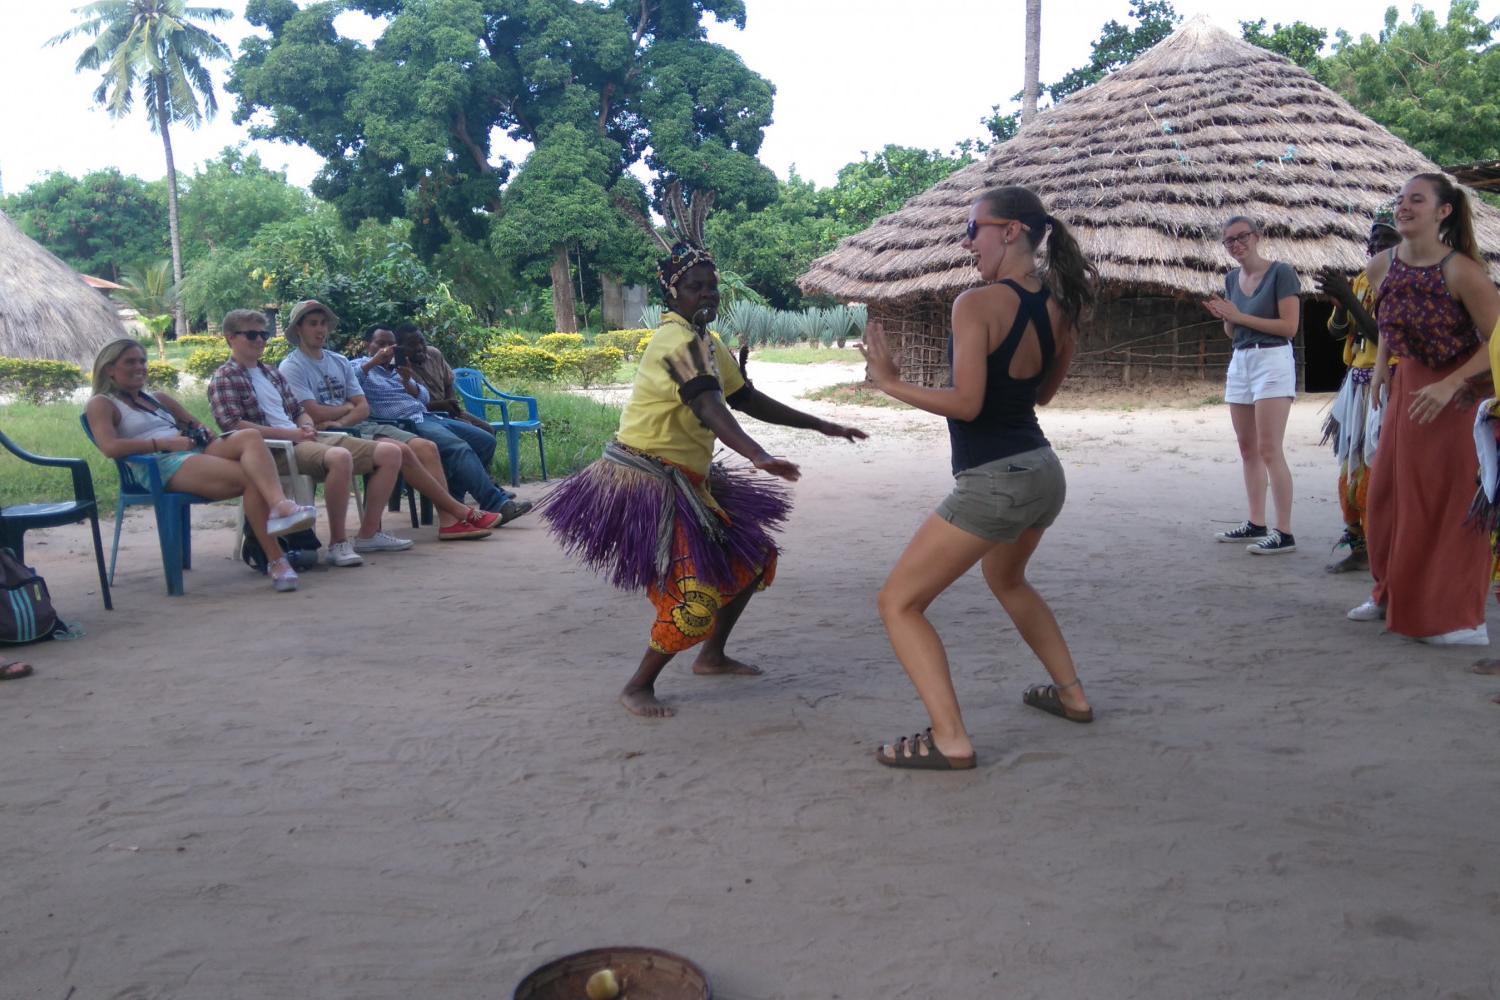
<point>1147,164</point>
<point>47,310</point>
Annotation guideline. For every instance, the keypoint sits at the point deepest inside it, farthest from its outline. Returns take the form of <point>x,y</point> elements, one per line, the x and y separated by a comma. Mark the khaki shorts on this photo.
<point>1000,500</point>
<point>312,455</point>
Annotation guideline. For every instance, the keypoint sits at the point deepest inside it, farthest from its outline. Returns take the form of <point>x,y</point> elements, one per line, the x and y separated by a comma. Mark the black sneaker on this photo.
<point>1274,542</point>
<point>1249,531</point>
<point>513,509</point>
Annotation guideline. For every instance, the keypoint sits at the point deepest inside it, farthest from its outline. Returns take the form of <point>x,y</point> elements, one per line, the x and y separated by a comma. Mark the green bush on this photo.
<point>203,362</point>
<point>38,381</point>
<point>511,363</point>
<point>627,342</point>
<point>507,338</point>
<point>276,351</point>
<point>160,375</point>
<point>197,340</point>
<point>588,366</point>
<point>643,343</point>
<point>555,342</point>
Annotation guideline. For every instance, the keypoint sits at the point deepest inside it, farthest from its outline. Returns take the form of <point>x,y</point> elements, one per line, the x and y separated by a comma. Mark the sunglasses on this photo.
<point>252,334</point>
<point>972,229</point>
<point>1233,241</point>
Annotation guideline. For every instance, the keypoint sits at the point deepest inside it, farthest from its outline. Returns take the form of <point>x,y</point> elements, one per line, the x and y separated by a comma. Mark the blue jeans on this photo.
<point>467,471</point>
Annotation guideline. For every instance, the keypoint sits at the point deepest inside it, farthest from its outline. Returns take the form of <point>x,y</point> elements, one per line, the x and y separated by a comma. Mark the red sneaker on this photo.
<point>484,518</point>
<point>462,531</point>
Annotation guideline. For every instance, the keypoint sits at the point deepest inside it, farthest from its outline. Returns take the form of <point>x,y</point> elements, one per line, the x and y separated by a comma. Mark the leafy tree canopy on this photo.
<point>230,198</point>
<point>1435,85</point>
<point>101,223</point>
<point>1301,43</point>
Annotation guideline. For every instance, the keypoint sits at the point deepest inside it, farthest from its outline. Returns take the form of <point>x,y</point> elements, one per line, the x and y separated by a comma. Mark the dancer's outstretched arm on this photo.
<point>708,406</point>
<point>752,402</point>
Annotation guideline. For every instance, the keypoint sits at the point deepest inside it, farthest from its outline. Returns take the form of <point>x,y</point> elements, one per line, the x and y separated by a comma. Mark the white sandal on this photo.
<point>283,579</point>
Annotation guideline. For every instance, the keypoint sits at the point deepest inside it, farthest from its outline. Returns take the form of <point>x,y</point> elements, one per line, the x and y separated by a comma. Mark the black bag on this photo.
<point>301,548</point>
<point>26,612</point>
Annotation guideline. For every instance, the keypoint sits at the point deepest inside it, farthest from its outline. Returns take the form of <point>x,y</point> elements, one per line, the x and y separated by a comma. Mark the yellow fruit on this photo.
<point>602,985</point>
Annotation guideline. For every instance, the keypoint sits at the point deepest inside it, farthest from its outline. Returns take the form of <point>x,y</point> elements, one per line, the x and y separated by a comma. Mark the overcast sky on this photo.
<point>850,76</point>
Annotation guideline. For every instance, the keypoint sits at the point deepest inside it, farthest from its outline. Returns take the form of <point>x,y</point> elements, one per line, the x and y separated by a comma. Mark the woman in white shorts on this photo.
<point>1261,313</point>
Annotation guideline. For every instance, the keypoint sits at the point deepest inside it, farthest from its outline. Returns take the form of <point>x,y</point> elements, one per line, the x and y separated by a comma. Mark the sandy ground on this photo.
<point>411,780</point>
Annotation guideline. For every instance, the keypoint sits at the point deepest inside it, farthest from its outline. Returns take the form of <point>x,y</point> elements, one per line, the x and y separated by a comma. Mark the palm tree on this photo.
<point>1033,60</point>
<point>153,43</point>
<point>150,292</point>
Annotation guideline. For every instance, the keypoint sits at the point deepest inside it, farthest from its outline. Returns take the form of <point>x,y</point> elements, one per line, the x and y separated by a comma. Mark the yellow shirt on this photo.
<point>656,420</point>
<point>1364,357</point>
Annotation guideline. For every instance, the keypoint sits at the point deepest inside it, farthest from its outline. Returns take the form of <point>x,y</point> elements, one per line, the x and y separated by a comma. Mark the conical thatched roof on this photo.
<point>46,308</point>
<point>1146,165</point>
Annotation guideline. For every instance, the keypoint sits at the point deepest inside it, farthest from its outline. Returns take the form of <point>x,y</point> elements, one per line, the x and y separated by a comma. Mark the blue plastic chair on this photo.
<point>140,484</point>
<point>16,520</point>
<point>478,396</point>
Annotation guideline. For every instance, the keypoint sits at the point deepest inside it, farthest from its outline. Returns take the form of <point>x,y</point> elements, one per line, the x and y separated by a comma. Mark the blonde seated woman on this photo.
<point>126,420</point>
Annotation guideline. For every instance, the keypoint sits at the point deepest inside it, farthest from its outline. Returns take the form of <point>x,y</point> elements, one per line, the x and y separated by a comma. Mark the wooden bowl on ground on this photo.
<point>644,974</point>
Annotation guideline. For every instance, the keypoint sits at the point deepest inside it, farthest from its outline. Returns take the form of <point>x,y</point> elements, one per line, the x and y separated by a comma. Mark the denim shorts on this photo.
<point>1000,500</point>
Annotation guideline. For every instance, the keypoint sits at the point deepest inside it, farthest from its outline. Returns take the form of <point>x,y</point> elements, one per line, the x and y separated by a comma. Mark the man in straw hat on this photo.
<point>1352,426</point>
<point>246,394</point>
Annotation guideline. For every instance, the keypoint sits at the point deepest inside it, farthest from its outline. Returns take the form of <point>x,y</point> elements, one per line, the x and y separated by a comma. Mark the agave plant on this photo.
<point>650,316</point>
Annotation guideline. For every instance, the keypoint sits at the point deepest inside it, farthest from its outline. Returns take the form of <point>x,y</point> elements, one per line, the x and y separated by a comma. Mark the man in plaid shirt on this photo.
<point>244,393</point>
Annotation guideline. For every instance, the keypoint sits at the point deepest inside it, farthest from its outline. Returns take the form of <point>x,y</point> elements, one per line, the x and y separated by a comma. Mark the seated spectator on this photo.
<point>429,368</point>
<point>324,383</point>
<point>126,420</point>
<point>246,395</point>
<point>393,394</point>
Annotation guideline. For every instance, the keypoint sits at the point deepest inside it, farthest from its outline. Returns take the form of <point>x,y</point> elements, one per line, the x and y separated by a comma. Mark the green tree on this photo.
<point>405,125</point>
<point>229,199</point>
<point>100,223</point>
<point>1435,85</point>
<point>154,44</point>
<point>1299,42</point>
<point>150,292</point>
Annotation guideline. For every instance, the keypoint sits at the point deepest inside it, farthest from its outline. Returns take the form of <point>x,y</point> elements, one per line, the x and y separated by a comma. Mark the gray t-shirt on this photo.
<point>327,380</point>
<point>1278,283</point>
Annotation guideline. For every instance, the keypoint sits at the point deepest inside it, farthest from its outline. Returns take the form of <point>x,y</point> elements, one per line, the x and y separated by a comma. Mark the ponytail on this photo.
<point>1069,275</point>
<point>1457,230</point>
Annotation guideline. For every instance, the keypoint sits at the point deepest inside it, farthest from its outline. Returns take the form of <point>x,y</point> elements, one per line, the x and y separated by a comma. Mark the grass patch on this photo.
<point>806,355</point>
<point>855,394</point>
<point>574,430</point>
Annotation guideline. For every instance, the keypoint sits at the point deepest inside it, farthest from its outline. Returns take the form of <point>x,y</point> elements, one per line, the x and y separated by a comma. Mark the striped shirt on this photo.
<point>231,396</point>
<point>388,398</point>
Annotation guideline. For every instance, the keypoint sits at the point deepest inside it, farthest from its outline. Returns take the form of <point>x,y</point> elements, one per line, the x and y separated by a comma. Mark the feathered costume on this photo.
<point>655,512</point>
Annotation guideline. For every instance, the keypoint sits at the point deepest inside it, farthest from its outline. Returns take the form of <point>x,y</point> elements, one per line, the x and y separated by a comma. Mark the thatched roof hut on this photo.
<point>47,310</point>
<point>1145,166</point>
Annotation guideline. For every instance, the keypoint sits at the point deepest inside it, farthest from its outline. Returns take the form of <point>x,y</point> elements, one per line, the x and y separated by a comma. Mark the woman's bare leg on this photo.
<point>937,555</point>
<point>1005,571</point>
<point>1270,431</point>
<point>1242,416</point>
<point>423,468</point>
<point>249,449</point>
<point>220,479</point>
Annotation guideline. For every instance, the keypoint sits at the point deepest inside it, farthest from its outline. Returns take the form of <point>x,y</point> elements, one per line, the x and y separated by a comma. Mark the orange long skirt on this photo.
<point>1431,569</point>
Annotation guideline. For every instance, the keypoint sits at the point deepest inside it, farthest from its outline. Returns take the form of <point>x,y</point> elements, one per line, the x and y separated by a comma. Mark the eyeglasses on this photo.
<point>252,334</point>
<point>972,229</point>
<point>1234,241</point>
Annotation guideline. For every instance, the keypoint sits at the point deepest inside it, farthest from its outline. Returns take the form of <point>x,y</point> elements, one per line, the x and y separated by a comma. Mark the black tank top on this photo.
<point>1007,423</point>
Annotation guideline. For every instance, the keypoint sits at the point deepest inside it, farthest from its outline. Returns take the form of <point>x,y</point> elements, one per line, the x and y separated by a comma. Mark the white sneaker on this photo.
<point>1460,637</point>
<point>343,554</point>
<point>381,542</point>
<point>1366,612</point>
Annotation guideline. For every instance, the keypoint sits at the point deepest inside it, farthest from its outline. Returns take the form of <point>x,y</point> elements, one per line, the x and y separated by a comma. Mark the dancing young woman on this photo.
<point>656,513</point>
<point>125,419</point>
<point>1261,314</point>
<point>1435,306</point>
<point>1013,340</point>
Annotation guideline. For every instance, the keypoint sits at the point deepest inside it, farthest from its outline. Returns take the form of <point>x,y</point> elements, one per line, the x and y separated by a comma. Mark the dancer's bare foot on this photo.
<point>722,665</point>
<point>643,702</point>
<point>1489,668</point>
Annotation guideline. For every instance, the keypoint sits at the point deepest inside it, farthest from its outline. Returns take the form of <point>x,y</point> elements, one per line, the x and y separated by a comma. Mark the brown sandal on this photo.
<point>1045,697</point>
<point>920,753</point>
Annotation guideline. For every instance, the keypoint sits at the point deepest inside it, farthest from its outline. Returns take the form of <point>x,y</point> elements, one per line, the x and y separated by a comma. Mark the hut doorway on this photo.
<point>1322,356</point>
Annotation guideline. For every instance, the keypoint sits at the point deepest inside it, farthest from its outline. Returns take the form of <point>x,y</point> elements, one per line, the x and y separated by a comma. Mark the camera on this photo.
<point>400,360</point>
<point>200,436</point>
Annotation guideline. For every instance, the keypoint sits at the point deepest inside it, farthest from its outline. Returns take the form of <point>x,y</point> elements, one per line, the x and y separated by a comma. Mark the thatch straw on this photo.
<point>46,308</point>
<point>1145,167</point>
